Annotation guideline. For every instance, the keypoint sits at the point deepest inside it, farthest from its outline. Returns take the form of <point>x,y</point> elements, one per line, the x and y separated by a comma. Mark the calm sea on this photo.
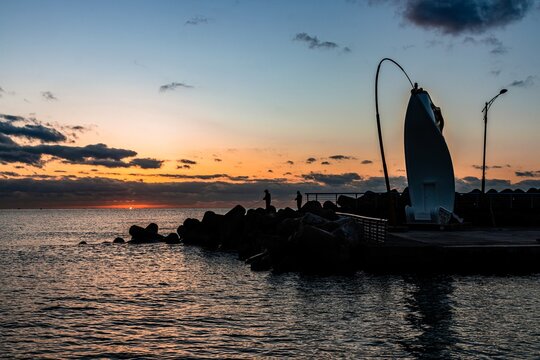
<point>60,300</point>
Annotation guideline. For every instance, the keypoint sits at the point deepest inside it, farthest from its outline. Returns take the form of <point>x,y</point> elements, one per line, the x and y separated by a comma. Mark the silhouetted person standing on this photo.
<point>268,199</point>
<point>298,200</point>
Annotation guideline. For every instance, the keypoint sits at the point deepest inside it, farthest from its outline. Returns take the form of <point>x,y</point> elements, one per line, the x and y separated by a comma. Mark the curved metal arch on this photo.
<point>385,169</point>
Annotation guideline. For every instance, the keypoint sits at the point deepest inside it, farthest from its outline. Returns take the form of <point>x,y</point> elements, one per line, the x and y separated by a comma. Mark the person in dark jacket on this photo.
<point>298,200</point>
<point>268,199</point>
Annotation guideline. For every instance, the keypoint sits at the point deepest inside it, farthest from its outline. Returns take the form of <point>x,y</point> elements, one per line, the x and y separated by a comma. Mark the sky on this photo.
<point>208,103</point>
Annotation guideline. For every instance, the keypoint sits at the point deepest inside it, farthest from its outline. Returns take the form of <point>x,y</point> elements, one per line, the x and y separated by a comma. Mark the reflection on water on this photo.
<point>430,313</point>
<point>60,300</point>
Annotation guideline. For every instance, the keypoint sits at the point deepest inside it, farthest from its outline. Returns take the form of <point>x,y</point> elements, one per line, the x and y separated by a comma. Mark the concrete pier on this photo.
<point>475,250</point>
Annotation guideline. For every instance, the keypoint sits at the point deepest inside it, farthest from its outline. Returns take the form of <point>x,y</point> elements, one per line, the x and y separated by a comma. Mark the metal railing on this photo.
<point>373,229</point>
<point>323,196</point>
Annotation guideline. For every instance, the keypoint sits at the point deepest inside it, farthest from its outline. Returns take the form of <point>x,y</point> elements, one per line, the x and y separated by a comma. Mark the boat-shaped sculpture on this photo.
<point>430,173</point>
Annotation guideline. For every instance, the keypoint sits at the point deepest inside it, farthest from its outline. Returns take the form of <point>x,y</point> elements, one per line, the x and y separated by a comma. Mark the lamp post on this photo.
<point>485,111</point>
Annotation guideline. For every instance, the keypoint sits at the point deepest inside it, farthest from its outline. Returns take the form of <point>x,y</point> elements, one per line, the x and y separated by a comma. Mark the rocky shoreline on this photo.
<point>316,239</point>
<point>313,239</point>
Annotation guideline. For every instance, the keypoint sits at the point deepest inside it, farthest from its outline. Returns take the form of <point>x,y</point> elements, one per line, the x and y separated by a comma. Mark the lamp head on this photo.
<point>502,91</point>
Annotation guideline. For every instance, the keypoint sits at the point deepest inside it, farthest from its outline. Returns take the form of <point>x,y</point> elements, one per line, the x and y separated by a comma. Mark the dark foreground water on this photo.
<point>60,300</point>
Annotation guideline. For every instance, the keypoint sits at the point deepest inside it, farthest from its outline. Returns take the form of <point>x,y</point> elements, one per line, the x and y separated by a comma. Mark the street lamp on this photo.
<point>485,111</point>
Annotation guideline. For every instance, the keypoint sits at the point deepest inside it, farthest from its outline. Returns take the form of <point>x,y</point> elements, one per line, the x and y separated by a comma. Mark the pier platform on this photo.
<point>470,250</point>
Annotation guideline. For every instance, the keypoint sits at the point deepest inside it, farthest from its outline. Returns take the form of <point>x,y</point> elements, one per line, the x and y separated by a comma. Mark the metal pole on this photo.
<point>485,110</point>
<point>484,156</point>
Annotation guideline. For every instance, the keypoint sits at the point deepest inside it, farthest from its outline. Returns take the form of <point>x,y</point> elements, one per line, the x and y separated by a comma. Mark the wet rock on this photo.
<point>192,232</point>
<point>260,262</point>
<point>328,205</point>
<point>144,235</point>
<point>236,211</point>
<point>118,240</point>
<point>313,207</point>
<point>287,227</point>
<point>313,220</point>
<point>232,229</point>
<point>172,238</point>
<point>287,213</point>
<point>152,228</point>
<point>347,203</point>
<point>318,250</point>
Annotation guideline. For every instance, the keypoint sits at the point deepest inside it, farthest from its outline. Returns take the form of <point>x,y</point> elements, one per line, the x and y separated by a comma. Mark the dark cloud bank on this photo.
<point>464,16</point>
<point>199,190</point>
<point>15,127</point>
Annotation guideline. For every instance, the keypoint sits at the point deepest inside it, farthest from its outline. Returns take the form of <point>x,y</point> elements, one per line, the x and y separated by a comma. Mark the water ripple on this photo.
<point>60,300</point>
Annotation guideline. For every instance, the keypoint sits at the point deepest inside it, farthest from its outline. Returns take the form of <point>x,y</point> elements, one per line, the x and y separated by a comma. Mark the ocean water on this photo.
<point>60,300</point>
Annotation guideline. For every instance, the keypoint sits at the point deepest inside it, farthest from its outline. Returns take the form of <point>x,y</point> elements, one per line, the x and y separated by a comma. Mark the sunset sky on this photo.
<point>207,103</point>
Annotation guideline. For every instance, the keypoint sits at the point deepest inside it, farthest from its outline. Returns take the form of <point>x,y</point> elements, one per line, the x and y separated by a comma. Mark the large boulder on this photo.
<point>172,238</point>
<point>312,206</point>
<point>236,211</point>
<point>328,205</point>
<point>192,232</point>
<point>152,228</point>
<point>144,235</point>
<point>118,240</point>
<point>319,251</point>
<point>313,220</point>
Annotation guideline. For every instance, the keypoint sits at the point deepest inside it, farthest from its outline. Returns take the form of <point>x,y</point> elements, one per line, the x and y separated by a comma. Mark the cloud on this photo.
<point>528,173</point>
<point>187,161</point>
<point>331,179</point>
<point>197,20</point>
<point>495,72</point>
<point>6,140</point>
<point>218,160</point>
<point>311,160</point>
<point>289,162</point>
<point>469,183</point>
<point>79,153</point>
<point>12,117</point>
<point>341,157</point>
<point>173,86</point>
<point>147,163</point>
<point>325,163</point>
<point>2,91</point>
<point>49,96</point>
<point>464,16</point>
<point>313,42</point>
<point>479,167</point>
<point>9,173</point>
<point>366,162</point>
<point>528,82</point>
<point>31,131</point>
<point>211,191</point>
<point>497,47</point>
<point>195,190</point>
<point>96,154</point>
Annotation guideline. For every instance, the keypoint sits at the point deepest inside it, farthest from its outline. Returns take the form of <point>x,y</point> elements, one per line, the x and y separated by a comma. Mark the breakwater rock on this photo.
<point>495,208</point>
<point>149,234</point>
<point>313,239</point>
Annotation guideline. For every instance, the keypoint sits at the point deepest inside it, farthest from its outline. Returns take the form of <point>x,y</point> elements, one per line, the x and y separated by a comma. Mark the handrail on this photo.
<point>373,229</point>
